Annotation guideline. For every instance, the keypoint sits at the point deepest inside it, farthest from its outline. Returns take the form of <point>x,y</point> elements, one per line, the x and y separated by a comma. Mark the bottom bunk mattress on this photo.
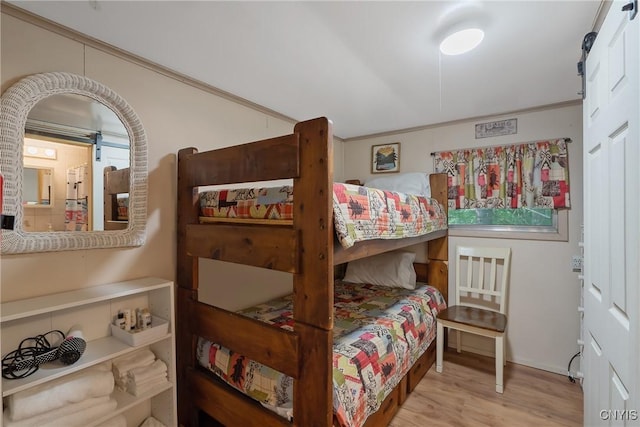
<point>379,332</point>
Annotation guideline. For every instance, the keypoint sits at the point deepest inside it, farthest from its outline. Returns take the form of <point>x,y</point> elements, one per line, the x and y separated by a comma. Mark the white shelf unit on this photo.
<point>93,309</point>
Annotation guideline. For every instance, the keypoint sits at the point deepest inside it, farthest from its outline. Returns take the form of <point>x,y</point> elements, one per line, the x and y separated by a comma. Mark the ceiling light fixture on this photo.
<point>461,41</point>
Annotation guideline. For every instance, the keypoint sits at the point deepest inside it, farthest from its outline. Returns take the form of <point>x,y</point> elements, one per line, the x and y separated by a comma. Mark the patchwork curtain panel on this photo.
<point>534,175</point>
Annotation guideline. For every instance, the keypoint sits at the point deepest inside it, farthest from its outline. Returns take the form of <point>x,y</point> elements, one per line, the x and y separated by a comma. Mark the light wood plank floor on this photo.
<point>464,395</point>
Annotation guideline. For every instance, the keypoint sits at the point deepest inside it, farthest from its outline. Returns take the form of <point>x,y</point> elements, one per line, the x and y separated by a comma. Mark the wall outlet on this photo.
<point>576,263</point>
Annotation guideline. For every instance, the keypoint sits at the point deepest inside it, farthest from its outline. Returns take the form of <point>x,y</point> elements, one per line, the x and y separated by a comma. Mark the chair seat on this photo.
<point>472,316</point>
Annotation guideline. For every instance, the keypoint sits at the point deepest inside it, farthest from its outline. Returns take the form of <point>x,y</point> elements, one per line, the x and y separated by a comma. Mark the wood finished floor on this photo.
<point>464,395</point>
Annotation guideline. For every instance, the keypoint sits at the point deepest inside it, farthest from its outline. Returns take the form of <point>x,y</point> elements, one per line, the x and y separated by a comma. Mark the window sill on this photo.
<point>561,235</point>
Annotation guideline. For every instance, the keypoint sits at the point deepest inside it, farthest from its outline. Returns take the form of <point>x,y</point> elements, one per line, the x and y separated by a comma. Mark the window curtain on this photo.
<point>76,213</point>
<point>534,175</point>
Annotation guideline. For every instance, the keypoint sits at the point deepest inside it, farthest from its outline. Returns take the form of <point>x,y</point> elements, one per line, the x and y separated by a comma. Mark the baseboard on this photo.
<point>516,360</point>
<point>541,366</point>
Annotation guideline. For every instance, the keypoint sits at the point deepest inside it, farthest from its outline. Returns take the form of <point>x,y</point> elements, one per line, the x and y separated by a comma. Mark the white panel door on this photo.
<point>612,217</point>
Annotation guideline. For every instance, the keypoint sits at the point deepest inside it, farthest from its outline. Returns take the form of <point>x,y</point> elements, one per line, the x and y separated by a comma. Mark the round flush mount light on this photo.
<point>461,41</point>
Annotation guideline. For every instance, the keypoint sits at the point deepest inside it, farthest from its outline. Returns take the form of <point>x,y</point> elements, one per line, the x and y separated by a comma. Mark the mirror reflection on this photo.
<point>74,138</point>
<point>37,187</point>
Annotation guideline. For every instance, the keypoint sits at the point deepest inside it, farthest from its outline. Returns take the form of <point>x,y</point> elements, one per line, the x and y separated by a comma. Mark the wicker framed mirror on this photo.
<point>16,104</point>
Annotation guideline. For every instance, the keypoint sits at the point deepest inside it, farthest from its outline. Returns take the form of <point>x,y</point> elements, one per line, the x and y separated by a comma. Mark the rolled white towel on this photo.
<point>117,421</point>
<point>124,364</point>
<point>152,422</point>
<point>58,393</point>
<point>147,386</point>
<point>75,414</point>
<point>141,374</point>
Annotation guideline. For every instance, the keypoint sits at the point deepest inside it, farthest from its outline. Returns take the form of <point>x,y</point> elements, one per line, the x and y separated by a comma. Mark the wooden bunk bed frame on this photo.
<point>308,249</point>
<point>116,181</point>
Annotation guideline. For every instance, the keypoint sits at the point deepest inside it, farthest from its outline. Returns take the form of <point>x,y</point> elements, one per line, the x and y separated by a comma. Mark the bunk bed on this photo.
<point>306,247</point>
<point>116,200</point>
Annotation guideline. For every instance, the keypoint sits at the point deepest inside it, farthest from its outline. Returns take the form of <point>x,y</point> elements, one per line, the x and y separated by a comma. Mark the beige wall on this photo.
<point>543,319</point>
<point>175,115</point>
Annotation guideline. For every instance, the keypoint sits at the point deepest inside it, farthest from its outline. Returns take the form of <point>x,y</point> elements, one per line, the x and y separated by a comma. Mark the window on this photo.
<point>522,217</point>
<point>521,223</point>
<point>520,189</point>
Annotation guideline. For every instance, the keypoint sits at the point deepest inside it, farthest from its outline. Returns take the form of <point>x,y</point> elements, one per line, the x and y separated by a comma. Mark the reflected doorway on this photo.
<point>68,208</point>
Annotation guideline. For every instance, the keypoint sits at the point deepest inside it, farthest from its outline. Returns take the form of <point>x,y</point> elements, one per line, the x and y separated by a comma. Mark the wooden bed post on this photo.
<point>110,200</point>
<point>313,285</point>
<point>187,291</point>
<point>438,249</point>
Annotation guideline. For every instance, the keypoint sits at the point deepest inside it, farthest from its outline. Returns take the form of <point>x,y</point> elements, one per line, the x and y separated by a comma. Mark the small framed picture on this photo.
<point>385,158</point>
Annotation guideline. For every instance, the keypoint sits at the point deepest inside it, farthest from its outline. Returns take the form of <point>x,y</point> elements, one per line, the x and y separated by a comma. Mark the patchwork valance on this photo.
<point>533,174</point>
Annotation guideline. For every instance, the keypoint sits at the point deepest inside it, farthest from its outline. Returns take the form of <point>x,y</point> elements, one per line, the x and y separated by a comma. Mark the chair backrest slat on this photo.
<point>492,279</point>
<point>469,272</point>
<point>481,274</point>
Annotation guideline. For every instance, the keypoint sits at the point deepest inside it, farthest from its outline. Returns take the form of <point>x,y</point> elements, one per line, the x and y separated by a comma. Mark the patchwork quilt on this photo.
<point>378,332</point>
<point>359,213</point>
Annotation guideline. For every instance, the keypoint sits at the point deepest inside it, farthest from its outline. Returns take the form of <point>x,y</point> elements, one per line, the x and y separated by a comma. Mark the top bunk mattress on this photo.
<point>359,213</point>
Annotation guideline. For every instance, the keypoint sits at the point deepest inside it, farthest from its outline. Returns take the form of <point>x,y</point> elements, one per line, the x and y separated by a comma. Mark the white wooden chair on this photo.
<point>480,302</point>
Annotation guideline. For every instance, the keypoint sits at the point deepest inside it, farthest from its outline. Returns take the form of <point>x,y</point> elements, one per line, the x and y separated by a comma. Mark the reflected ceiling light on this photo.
<point>461,41</point>
<point>40,152</point>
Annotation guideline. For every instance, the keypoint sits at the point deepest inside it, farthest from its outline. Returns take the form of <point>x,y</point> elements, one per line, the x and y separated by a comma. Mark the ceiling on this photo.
<point>370,67</point>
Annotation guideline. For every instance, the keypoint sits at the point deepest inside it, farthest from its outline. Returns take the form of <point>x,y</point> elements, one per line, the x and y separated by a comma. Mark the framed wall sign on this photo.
<point>498,128</point>
<point>385,158</point>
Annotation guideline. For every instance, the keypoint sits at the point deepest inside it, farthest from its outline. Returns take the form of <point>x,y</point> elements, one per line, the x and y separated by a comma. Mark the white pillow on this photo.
<point>409,183</point>
<point>391,269</point>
